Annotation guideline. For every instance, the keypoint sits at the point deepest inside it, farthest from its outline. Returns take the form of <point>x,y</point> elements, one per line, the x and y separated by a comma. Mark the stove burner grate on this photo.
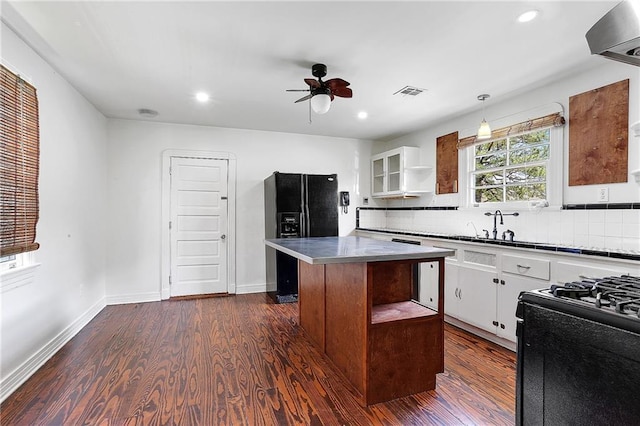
<point>618,294</point>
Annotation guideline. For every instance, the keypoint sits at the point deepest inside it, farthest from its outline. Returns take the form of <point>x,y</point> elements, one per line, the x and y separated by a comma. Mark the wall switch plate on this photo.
<point>365,201</point>
<point>603,194</point>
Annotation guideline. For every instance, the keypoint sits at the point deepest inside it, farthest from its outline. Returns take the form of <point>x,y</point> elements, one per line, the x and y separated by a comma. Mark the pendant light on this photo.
<point>320,101</point>
<point>484,131</point>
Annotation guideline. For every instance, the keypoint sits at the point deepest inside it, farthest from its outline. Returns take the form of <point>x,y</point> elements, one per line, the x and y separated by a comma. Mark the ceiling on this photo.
<point>125,55</point>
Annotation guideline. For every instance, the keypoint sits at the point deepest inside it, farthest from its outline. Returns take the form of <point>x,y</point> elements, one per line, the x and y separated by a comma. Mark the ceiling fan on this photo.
<point>323,92</point>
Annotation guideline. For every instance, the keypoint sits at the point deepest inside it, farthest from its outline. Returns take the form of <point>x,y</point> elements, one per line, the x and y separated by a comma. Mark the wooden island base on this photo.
<point>362,317</point>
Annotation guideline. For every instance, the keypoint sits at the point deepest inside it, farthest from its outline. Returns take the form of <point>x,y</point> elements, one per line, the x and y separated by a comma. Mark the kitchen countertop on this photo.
<point>324,250</point>
<point>624,255</point>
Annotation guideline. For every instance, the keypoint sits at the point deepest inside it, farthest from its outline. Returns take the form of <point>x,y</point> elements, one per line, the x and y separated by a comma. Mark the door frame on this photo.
<point>165,289</point>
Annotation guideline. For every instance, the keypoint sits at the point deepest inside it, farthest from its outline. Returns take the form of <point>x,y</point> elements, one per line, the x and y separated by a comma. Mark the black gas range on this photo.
<point>578,353</point>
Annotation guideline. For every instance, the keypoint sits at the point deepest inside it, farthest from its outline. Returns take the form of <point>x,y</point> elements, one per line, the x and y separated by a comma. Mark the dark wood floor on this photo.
<point>239,360</point>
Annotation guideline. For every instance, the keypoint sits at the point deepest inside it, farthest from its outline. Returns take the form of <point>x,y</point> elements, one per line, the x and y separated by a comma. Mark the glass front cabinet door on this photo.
<point>398,173</point>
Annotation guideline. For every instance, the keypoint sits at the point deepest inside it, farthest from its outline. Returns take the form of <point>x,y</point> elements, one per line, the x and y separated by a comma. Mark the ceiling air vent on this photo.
<point>410,91</point>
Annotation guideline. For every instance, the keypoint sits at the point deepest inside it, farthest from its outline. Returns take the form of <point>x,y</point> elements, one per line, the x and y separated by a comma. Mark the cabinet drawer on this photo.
<point>570,271</point>
<point>537,268</point>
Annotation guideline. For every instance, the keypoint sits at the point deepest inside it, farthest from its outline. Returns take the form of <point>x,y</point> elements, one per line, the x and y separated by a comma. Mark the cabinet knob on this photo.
<point>502,326</point>
<point>495,280</point>
<point>495,323</point>
<point>502,282</point>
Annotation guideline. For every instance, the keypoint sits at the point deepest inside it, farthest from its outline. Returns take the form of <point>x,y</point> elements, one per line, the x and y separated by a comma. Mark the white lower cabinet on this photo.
<point>482,294</point>
<point>476,297</point>
<point>428,291</point>
<point>451,305</point>
<point>482,284</point>
<point>508,289</point>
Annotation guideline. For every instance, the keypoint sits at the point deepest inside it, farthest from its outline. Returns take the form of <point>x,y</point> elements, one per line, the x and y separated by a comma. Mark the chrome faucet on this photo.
<point>510,233</point>
<point>474,228</point>
<point>495,217</point>
<point>495,226</point>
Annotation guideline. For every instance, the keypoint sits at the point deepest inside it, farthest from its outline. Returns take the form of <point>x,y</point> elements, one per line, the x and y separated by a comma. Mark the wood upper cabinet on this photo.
<point>447,164</point>
<point>598,135</point>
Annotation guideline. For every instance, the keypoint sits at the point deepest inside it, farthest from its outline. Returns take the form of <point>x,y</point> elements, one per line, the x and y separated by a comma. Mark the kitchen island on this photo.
<point>354,302</point>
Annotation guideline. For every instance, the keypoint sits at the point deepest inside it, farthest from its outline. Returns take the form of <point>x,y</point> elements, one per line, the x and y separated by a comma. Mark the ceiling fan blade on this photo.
<point>304,98</point>
<point>311,82</point>
<point>343,92</point>
<point>336,82</point>
<point>298,90</point>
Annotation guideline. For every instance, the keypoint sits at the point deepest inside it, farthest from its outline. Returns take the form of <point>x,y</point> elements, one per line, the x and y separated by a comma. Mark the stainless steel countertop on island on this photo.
<point>325,250</point>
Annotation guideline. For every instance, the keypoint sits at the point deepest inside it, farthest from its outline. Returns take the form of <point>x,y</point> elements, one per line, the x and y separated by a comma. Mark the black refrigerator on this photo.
<point>296,205</point>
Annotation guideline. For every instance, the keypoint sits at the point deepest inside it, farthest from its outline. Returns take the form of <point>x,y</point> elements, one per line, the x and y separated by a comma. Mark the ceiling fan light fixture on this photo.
<point>320,103</point>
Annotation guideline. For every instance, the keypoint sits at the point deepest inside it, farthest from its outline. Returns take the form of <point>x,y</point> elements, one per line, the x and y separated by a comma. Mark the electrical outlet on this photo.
<point>603,194</point>
<point>365,201</point>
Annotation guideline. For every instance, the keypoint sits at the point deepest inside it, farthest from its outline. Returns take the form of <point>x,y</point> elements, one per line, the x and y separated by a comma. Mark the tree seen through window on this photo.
<point>512,168</point>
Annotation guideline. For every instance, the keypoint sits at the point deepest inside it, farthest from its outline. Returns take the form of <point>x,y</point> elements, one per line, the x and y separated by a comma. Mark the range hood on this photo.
<point>617,34</point>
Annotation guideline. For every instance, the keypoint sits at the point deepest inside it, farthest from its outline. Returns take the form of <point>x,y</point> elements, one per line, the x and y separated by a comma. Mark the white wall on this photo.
<point>497,110</point>
<point>135,159</point>
<point>68,287</point>
<point>611,229</point>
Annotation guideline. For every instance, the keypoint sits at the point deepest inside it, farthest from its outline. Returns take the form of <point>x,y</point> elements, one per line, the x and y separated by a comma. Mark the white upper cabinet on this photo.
<point>398,173</point>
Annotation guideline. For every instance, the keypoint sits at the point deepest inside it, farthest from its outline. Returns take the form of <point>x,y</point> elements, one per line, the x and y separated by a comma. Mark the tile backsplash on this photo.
<point>609,229</point>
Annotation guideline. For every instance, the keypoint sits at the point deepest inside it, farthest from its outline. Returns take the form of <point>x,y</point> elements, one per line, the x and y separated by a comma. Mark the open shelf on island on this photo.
<point>399,311</point>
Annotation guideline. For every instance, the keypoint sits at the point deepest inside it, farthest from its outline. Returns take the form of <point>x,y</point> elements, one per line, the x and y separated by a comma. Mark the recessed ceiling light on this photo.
<point>527,16</point>
<point>362,115</point>
<point>202,97</point>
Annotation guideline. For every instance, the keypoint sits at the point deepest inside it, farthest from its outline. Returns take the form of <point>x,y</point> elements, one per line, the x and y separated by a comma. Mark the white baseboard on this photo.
<point>17,377</point>
<point>165,293</point>
<point>508,344</point>
<point>251,288</point>
<point>134,298</point>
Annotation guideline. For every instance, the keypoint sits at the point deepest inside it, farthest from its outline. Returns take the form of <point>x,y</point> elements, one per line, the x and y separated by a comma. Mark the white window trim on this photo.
<point>21,260</point>
<point>555,178</point>
<point>21,274</point>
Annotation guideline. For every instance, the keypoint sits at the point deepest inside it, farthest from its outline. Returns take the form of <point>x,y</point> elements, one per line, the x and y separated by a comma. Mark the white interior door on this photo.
<point>198,226</point>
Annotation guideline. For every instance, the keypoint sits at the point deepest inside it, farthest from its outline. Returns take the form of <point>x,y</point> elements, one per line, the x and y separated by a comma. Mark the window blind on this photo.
<point>19,164</point>
<point>551,120</point>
